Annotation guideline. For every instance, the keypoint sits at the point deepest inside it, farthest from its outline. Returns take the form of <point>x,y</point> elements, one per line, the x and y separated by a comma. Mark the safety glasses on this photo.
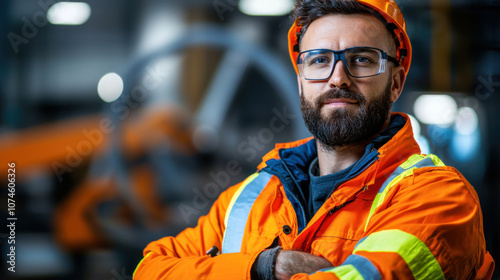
<point>359,62</point>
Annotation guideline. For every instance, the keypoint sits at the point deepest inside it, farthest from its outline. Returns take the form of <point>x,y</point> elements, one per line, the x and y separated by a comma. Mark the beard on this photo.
<point>343,127</point>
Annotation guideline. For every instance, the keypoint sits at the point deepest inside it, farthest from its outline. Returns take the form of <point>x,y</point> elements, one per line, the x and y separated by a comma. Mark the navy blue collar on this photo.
<point>292,168</point>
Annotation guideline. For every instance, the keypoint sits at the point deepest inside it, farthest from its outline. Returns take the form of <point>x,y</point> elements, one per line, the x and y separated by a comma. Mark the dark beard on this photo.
<point>342,127</point>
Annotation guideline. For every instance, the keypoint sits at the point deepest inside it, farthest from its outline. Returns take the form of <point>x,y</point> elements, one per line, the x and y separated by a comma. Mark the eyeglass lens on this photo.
<point>360,62</point>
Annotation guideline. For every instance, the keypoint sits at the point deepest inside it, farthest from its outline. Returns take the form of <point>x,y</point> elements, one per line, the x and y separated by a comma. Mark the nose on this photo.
<point>339,78</point>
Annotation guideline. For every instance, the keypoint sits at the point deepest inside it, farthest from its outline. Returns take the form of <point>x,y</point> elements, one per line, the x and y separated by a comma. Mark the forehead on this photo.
<point>338,31</point>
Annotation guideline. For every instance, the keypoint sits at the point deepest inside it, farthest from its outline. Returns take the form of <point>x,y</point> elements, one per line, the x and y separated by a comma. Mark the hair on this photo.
<point>306,11</point>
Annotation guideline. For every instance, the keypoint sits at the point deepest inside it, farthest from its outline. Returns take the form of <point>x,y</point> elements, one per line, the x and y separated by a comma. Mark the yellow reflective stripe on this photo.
<point>346,272</point>
<point>437,161</point>
<point>408,166</point>
<point>414,159</point>
<point>392,183</point>
<point>417,256</point>
<point>379,197</point>
<point>135,270</point>
<point>237,194</point>
<point>372,209</point>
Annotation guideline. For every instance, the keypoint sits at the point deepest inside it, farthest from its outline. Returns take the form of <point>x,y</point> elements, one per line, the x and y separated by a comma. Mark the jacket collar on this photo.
<point>290,162</point>
<point>394,145</point>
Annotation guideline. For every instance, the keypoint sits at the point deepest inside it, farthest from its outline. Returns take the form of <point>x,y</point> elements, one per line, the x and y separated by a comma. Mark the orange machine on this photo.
<point>69,146</point>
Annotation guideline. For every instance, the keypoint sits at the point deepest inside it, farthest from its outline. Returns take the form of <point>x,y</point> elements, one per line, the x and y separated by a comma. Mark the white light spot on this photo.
<point>435,109</point>
<point>110,87</point>
<point>467,121</point>
<point>68,13</point>
<point>265,7</point>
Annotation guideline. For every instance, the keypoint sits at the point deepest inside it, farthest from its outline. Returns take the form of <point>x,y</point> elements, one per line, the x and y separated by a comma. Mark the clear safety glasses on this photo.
<point>359,62</point>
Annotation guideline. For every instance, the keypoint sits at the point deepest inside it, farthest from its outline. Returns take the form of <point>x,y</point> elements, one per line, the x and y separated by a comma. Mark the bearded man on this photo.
<point>355,201</point>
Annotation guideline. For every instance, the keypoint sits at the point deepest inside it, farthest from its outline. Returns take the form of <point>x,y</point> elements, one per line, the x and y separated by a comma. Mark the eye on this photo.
<point>362,60</point>
<point>319,60</point>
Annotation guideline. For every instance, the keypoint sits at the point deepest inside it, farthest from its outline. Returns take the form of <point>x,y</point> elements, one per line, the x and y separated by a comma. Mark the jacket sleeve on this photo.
<point>429,226</point>
<point>184,256</point>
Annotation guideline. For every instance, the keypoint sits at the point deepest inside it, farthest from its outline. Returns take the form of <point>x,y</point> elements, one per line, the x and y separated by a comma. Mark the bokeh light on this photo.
<point>69,13</point>
<point>467,121</point>
<point>265,7</point>
<point>435,109</point>
<point>110,87</point>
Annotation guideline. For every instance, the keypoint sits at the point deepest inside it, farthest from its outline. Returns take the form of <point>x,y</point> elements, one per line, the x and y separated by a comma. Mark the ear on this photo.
<point>398,82</point>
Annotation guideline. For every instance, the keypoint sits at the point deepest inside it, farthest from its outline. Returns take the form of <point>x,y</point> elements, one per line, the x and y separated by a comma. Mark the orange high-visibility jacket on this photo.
<point>405,216</point>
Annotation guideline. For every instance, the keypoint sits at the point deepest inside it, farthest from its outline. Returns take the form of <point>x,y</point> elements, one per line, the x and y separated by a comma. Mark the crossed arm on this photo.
<point>290,262</point>
<point>183,257</point>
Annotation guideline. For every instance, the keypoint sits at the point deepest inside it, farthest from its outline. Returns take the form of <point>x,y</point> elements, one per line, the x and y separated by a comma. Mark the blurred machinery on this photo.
<point>140,169</point>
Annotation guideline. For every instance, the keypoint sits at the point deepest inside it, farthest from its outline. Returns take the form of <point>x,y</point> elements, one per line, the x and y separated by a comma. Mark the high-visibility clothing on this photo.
<point>405,216</point>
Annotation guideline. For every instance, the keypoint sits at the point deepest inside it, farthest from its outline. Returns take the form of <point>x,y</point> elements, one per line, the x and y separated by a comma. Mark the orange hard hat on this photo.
<point>391,13</point>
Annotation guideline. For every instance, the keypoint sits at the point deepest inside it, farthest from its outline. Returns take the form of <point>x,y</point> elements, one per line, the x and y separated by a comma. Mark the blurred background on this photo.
<point>125,119</point>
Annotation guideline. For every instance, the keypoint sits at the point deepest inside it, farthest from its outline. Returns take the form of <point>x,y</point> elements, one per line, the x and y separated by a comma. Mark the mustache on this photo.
<point>340,93</point>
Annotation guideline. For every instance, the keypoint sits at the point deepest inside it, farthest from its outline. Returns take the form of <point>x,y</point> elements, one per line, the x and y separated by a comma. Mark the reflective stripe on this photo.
<point>237,194</point>
<point>346,272</point>
<point>238,210</point>
<point>135,270</point>
<point>417,256</point>
<point>422,161</point>
<point>364,269</point>
<point>404,170</point>
<point>364,266</point>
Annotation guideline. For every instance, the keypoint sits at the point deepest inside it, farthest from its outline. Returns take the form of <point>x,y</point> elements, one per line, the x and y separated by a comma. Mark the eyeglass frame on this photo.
<point>340,55</point>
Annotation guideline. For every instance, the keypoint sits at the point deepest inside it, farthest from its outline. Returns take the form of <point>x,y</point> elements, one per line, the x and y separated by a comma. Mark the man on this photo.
<point>356,201</point>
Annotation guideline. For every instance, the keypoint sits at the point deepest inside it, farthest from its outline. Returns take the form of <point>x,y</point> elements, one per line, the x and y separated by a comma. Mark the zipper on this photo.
<point>373,153</point>
<point>305,214</point>
<point>338,207</point>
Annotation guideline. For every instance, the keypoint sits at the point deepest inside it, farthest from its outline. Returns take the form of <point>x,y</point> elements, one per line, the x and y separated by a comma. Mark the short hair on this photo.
<point>306,11</point>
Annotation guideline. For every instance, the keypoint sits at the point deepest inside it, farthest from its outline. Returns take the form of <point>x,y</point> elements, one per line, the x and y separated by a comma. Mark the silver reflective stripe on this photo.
<point>238,210</point>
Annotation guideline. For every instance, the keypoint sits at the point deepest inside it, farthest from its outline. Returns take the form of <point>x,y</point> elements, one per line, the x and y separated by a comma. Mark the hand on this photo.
<point>289,263</point>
